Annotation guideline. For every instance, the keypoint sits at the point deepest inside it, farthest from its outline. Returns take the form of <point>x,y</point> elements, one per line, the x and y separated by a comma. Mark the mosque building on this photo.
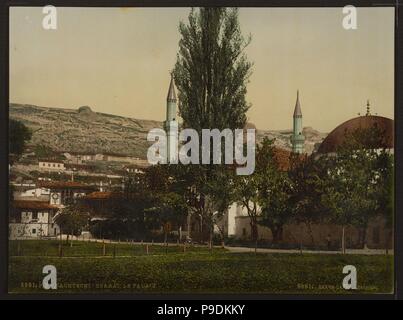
<point>236,224</point>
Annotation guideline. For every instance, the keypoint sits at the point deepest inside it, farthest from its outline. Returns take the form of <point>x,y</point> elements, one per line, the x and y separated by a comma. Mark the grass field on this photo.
<point>85,269</point>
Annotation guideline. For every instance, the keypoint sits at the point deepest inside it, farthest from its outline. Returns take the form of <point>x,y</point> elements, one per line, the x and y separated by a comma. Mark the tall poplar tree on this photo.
<point>211,74</point>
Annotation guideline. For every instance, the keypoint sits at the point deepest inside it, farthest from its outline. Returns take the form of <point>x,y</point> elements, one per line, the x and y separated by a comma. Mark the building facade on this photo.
<point>32,220</point>
<point>50,165</point>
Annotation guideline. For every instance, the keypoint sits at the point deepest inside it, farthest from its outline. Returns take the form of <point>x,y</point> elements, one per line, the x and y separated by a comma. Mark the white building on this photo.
<point>34,194</point>
<point>32,219</point>
<point>51,165</point>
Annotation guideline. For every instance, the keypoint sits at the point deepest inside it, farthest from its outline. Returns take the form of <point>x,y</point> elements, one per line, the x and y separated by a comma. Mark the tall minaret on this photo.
<point>297,138</point>
<point>171,124</point>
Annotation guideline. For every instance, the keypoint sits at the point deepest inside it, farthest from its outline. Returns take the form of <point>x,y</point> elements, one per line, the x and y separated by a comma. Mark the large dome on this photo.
<point>337,136</point>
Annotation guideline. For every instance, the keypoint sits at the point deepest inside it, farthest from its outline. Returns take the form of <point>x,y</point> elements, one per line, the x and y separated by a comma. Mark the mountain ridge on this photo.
<point>84,130</point>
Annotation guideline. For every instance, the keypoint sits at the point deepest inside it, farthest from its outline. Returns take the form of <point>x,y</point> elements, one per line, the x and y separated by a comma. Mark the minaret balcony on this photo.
<point>297,138</point>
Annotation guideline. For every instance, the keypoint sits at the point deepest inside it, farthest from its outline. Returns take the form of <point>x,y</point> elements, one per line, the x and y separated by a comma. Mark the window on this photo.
<point>33,231</point>
<point>34,215</point>
<point>244,232</point>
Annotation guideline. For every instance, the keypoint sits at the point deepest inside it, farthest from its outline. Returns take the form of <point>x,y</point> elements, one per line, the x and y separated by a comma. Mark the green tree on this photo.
<point>212,70</point>
<point>274,190</point>
<point>247,194</point>
<point>307,176</point>
<point>72,220</point>
<point>19,134</point>
<point>169,210</point>
<point>356,180</point>
<point>211,74</point>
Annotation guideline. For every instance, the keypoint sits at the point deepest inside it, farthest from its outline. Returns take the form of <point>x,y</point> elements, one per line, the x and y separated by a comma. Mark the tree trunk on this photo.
<point>364,237</point>
<point>343,240</point>
<point>310,232</point>
<point>277,234</point>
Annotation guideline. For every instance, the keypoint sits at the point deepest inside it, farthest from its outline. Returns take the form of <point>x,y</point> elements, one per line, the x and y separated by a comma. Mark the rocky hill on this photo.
<point>83,130</point>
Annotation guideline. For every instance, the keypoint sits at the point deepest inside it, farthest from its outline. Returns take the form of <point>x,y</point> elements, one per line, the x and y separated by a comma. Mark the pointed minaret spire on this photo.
<point>171,97</point>
<point>297,110</point>
<point>297,137</point>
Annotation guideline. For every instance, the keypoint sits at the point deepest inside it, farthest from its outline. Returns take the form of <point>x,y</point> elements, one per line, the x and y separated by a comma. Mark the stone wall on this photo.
<point>378,237</point>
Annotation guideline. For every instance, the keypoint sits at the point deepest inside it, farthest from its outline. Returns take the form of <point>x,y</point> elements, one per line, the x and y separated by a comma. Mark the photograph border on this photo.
<point>398,118</point>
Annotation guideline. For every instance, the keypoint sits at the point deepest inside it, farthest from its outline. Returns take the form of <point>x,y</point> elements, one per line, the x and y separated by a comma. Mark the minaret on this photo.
<point>171,124</point>
<point>297,138</point>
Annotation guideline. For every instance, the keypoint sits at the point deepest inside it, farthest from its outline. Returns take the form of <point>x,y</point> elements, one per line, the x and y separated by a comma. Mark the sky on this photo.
<point>117,61</point>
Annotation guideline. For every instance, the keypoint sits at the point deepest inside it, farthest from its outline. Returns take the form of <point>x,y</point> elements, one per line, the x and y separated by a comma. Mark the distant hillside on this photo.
<point>312,137</point>
<point>83,130</point>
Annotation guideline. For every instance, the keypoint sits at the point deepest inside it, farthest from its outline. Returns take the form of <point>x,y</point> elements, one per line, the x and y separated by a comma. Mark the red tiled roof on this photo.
<point>282,157</point>
<point>98,195</point>
<point>63,185</point>
<point>29,204</point>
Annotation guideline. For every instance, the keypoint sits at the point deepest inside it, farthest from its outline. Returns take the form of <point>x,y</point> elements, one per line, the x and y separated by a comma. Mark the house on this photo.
<point>117,157</point>
<point>134,168</point>
<point>33,194</point>
<point>51,165</point>
<point>62,193</point>
<point>32,219</point>
<point>80,158</point>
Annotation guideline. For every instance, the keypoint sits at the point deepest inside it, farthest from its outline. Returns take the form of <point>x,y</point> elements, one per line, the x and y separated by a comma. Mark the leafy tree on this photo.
<point>355,180</point>
<point>211,73</point>
<point>306,176</point>
<point>169,209</point>
<point>212,70</point>
<point>72,220</point>
<point>247,193</point>
<point>274,190</point>
<point>19,134</point>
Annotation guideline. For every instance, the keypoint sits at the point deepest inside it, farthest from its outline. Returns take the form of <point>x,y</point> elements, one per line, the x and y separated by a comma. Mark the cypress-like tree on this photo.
<point>211,74</point>
<point>212,70</point>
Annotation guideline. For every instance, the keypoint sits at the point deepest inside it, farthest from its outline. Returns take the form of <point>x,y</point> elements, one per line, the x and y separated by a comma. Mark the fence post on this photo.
<point>114,250</point>
<point>147,248</point>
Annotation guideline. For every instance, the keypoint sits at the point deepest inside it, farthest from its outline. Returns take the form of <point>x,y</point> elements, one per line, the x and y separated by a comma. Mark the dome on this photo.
<point>337,136</point>
<point>249,125</point>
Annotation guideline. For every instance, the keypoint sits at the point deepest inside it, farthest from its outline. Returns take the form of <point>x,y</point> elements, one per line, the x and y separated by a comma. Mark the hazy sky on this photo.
<point>117,61</point>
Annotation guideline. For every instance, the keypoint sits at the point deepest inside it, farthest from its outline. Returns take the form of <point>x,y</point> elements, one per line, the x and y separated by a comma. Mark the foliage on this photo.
<point>274,190</point>
<point>72,220</point>
<point>307,176</point>
<point>359,180</point>
<point>212,70</point>
<point>19,134</point>
<point>211,74</point>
